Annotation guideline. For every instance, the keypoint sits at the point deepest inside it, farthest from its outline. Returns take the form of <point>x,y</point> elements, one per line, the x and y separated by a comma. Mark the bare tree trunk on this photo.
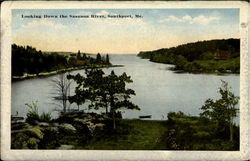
<point>61,90</point>
<point>112,110</point>
<point>107,110</point>
<point>113,115</point>
<point>231,130</point>
<point>231,126</point>
<point>231,133</point>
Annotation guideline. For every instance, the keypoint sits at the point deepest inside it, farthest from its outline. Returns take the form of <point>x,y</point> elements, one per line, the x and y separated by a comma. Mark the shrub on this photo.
<point>33,117</point>
<point>45,117</point>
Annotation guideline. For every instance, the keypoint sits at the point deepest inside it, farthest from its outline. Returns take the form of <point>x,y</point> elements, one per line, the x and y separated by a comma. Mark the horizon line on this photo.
<point>133,52</point>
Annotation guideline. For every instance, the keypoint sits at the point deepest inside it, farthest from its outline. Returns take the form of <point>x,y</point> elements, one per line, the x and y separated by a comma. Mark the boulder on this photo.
<point>67,128</point>
<point>43,124</point>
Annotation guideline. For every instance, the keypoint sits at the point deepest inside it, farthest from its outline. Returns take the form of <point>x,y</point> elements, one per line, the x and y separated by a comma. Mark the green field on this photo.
<point>130,135</point>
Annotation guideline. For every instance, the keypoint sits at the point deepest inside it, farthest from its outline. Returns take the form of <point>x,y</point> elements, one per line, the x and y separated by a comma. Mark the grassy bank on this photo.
<point>130,135</point>
<point>210,66</point>
<point>95,132</point>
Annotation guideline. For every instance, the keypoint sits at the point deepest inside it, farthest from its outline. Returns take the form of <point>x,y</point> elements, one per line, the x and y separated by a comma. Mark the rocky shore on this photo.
<point>45,74</point>
<point>51,134</point>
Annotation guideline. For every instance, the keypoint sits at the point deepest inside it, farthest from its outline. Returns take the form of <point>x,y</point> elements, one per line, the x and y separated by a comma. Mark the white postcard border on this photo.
<point>8,154</point>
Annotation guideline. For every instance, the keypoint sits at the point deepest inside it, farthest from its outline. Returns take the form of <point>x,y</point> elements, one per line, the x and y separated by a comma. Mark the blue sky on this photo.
<point>158,28</point>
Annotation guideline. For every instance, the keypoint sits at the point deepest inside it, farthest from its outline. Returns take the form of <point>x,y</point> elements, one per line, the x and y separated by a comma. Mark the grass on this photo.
<point>221,66</point>
<point>197,133</point>
<point>179,132</point>
<point>130,135</point>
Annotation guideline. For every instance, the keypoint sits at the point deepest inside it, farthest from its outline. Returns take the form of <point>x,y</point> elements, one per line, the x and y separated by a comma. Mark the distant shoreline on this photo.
<point>46,74</point>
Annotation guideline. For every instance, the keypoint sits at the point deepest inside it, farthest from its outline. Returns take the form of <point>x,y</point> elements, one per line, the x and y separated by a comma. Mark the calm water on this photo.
<point>158,90</point>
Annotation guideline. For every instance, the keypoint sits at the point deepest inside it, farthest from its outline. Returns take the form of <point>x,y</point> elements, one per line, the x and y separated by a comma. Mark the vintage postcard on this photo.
<point>124,80</point>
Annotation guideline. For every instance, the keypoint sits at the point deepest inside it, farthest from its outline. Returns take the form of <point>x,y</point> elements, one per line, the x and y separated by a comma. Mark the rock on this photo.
<point>68,128</point>
<point>100,126</point>
<point>55,124</point>
<point>35,131</point>
<point>82,121</point>
<point>43,124</point>
<point>65,147</point>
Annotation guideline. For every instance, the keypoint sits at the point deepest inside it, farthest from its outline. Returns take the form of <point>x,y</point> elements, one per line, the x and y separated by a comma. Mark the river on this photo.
<point>158,90</point>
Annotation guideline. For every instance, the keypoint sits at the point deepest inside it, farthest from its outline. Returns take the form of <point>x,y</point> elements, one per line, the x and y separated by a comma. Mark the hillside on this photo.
<point>212,56</point>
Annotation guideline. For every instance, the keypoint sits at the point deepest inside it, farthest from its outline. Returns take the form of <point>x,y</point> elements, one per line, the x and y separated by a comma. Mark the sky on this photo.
<point>153,29</point>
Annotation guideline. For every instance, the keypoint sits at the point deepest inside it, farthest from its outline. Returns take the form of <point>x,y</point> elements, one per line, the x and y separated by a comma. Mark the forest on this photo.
<point>211,56</point>
<point>27,60</point>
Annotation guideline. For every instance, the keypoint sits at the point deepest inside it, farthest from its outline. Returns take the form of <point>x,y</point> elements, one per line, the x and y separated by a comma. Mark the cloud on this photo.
<point>201,19</point>
<point>103,12</point>
<point>84,13</point>
<point>44,23</point>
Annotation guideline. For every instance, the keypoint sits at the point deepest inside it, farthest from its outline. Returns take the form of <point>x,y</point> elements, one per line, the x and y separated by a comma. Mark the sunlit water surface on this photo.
<point>158,90</point>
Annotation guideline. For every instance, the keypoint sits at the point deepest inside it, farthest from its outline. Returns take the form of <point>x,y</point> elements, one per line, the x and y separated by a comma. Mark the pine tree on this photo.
<point>107,92</point>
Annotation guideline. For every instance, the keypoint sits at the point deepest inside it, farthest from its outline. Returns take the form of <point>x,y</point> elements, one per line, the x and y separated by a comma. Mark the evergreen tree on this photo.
<point>107,59</point>
<point>98,58</point>
<point>78,55</point>
<point>107,92</point>
<point>84,57</point>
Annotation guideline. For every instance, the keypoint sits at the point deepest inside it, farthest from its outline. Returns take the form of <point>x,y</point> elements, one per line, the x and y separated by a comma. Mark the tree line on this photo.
<point>26,59</point>
<point>199,56</point>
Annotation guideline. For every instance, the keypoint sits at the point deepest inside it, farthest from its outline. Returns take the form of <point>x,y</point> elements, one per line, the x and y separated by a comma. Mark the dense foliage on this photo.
<point>104,91</point>
<point>33,116</point>
<point>223,110</point>
<point>200,56</point>
<point>198,133</point>
<point>26,59</point>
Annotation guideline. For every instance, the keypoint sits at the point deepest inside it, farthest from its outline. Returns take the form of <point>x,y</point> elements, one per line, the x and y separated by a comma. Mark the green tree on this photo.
<point>180,62</point>
<point>107,59</point>
<point>72,61</point>
<point>78,55</point>
<point>223,110</point>
<point>98,58</point>
<point>84,57</point>
<point>104,91</point>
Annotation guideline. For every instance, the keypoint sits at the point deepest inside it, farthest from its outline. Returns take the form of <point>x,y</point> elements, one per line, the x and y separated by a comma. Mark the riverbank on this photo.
<point>209,57</point>
<point>46,74</point>
<point>94,132</point>
<point>88,131</point>
<point>221,67</point>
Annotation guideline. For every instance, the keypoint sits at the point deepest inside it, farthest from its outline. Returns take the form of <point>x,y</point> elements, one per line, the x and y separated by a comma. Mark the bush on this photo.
<point>33,117</point>
<point>45,117</point>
